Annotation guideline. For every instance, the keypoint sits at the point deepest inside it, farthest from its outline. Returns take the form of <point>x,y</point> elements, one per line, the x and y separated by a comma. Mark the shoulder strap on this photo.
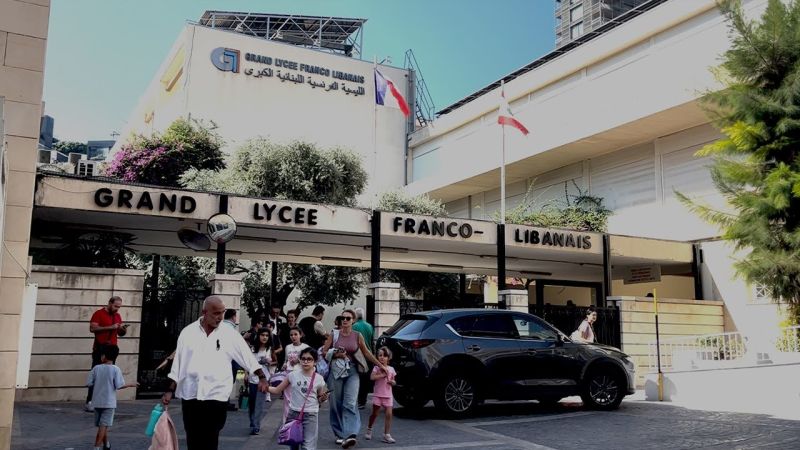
<point>310,388</point>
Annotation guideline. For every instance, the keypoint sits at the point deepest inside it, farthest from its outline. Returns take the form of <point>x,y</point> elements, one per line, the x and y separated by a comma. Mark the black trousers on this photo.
<point>202,421</point>
<point>95,362</point>
<point>364,386</point>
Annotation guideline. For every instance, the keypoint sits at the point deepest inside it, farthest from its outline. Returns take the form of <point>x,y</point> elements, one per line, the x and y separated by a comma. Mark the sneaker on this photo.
<point>88,407</point>
<point>339,441</point>
<point>254,432</point>
<point>349,442</point>
<point>368,434</point>
<point>388,439</point>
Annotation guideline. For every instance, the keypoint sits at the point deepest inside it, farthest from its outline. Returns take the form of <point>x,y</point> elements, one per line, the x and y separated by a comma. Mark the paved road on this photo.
<point>506,426</point>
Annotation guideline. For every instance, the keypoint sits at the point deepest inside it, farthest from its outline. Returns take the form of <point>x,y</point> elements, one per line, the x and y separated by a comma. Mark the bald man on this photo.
<point>201,374</point>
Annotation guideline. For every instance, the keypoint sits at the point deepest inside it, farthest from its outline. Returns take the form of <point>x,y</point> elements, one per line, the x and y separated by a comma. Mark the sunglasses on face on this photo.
<point>307,359</point>
<point>347,318</point>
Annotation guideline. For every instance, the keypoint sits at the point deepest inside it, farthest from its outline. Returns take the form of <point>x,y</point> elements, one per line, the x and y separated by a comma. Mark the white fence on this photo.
<point>724,350</point>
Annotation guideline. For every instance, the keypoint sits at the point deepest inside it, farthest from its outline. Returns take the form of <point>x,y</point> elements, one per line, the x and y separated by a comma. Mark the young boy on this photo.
<point>107,380</point>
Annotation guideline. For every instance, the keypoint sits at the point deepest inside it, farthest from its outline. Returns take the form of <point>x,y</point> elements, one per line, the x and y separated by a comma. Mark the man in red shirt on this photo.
<point>106,324</point>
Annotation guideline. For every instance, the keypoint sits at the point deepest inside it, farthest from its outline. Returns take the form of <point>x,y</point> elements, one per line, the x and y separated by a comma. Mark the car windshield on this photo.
<point>409,324</point>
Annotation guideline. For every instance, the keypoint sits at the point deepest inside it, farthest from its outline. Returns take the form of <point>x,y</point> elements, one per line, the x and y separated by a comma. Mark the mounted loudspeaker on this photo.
<point>221,228</point>
<point>194,240</point>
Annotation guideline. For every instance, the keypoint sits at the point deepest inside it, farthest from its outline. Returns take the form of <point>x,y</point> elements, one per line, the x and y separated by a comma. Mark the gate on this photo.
<point>165,312</point>
<point>567,319</point>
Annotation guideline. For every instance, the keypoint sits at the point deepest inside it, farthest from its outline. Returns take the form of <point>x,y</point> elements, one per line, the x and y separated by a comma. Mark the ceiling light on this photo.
<point>534,272</point>
<point>388,249</point>
<point>258,238</point>
<point>338,258</point>
<point>446,266</point>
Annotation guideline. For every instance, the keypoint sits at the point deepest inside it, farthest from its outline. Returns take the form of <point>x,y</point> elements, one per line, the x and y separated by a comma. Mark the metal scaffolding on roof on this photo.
<point>338,35</point>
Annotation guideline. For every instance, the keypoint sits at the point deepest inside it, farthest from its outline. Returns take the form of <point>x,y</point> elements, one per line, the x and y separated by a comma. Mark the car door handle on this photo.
<point>473,347</point>
<point>530,351</point>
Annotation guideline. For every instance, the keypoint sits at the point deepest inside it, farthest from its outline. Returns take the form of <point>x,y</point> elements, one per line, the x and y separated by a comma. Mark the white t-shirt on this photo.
<point>266,354</point>
<point>293,355</point>
<point>298,388</point>
<point>586,331</point>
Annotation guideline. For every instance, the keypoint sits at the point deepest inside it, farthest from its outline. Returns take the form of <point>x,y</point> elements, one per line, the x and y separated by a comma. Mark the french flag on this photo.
<point>383,84</point>
<point>505,116</point>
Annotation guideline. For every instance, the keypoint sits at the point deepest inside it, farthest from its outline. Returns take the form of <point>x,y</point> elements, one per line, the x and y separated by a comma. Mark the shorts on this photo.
<point>386,402</point>
<point>103,417</point>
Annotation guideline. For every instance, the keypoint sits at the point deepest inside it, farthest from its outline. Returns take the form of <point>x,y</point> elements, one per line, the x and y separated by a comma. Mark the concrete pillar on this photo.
<point>516,299</point>
<point>228,288</point>
<point>387,305</point>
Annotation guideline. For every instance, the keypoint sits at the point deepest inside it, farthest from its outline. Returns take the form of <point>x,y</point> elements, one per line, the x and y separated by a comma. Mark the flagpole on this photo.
<point>374,134</point>
<point>502,164</point>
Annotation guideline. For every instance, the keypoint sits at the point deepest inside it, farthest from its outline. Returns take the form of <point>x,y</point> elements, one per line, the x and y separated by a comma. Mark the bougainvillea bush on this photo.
<point>161,158</point>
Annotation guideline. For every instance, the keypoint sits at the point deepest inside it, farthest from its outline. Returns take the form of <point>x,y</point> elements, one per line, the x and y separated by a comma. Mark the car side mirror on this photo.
<point>559,340</point>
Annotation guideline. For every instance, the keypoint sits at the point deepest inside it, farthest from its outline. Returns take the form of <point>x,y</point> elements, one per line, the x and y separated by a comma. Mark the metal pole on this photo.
<point>606,269</point>
<point>154,279</point>
<point>501,262</point>
<point>697,260</point>
<point>375,262</point>
<point>658,349</point>
<point>503,175</point>
<point>273,283</point>
<point>223,208</point>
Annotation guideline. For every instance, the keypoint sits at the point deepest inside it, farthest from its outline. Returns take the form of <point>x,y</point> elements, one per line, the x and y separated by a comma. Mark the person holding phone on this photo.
<point>106,325</point>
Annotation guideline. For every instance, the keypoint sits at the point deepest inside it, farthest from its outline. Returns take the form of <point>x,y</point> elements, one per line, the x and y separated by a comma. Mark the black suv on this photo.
<point>460,357</point>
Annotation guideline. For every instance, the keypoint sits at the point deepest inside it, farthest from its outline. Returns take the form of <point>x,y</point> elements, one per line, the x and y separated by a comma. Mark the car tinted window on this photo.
<point>488,325</point>
<point>408,325</point>
<point>531,328</point>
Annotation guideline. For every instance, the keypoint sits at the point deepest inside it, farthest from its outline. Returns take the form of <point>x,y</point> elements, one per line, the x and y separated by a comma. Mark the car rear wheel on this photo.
<point>603,389</point>
<point>457,396</point>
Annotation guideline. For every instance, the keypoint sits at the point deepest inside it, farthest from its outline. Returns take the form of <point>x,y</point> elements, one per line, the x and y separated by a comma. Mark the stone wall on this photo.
<point>676,318</point>
<point>62,343</point>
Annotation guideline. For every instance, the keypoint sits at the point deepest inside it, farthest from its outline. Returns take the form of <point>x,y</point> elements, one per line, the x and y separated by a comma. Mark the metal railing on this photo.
<point>724,350</point>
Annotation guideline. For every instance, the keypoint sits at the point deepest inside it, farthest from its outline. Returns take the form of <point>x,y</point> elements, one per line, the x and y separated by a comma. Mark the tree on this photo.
<point>298,171</point>
<point>757,162</point>
<point>433,287</point>
<point>67,147</point>
<point>581,211</point>
<point>160,159</point>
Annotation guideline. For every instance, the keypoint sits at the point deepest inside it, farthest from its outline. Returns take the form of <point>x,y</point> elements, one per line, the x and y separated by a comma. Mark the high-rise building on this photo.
<point>575,18</point>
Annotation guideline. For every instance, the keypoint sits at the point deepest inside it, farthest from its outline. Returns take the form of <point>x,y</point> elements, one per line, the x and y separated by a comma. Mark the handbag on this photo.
<point>291,433</point>
<point>358,356</point>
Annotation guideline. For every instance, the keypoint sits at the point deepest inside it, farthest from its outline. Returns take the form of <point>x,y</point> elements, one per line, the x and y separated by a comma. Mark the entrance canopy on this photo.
<point>297,232</point>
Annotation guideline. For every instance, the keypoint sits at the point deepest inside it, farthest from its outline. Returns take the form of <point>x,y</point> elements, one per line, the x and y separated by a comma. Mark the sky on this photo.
<point>102,54</point>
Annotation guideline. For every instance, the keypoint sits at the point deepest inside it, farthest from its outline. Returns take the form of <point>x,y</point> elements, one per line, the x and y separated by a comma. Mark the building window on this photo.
<point>761,295</point>
<point>576,13</point>
<point>558,21</point>
<point>576,30</point>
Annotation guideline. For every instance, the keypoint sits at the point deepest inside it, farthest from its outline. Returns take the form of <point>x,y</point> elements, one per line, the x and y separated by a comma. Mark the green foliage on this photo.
<point>86,249</point>
<point>581,212</point>
<point>434,287</point>
<point>160,159</point>
<point>757,163</point>
<point>67,147</point>
<point>297,171</point>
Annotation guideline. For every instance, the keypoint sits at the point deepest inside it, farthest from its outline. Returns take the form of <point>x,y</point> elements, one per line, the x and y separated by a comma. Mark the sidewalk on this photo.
<point>64,425</point>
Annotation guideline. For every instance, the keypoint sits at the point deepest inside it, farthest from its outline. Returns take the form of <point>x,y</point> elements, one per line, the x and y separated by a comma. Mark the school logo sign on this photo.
<point>225,59</point>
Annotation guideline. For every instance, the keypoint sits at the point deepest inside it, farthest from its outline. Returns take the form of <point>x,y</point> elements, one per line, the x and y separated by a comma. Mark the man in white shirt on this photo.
<point>201,374</point>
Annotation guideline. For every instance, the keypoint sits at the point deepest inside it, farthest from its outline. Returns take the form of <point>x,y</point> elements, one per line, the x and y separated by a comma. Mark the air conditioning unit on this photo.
<point>86,168</point>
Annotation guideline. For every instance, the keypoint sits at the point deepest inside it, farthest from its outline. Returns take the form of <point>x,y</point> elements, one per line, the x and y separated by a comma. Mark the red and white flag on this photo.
<point>384,84</point>
<point>505,116</point>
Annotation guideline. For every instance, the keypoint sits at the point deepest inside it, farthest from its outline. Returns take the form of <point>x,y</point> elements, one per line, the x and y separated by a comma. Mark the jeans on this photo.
<point>345,419</point>
<point>203,420</point>
<point>310,430</point>
<point>255,405</point>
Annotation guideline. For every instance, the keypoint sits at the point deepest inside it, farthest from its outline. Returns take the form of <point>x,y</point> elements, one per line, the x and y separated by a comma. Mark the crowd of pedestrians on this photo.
<point>280,355</point>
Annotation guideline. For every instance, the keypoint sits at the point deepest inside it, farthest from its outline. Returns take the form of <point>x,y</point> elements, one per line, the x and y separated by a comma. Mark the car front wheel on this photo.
<point>603,390</point>
<point>457,396</point>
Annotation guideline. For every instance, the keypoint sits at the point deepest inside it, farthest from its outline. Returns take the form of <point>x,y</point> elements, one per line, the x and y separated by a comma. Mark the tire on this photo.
<point>457,396</point>
<point>603,389</point>
<point>410,401</point>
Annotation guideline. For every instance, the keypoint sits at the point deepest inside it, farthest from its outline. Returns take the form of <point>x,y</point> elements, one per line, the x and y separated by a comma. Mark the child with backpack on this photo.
<point>382,395</point>
<point>300,403</point>
<point>106,379</point>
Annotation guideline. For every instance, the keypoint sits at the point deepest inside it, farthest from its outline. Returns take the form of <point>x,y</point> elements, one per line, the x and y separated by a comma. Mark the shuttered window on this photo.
<point>625,178</point>
<point>686,173</point>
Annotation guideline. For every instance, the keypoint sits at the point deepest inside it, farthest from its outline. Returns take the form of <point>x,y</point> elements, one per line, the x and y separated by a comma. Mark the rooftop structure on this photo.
<point>332,34</point>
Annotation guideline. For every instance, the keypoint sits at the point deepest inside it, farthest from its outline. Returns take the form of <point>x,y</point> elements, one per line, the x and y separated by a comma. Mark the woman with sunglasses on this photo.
<point>343,378</point>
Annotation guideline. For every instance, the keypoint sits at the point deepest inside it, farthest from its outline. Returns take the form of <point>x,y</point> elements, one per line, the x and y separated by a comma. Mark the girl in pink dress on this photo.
<point>382,394</point>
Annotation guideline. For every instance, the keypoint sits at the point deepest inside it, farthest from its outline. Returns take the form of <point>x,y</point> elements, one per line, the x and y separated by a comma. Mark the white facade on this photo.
<point>617,117</point>
<point>252,101</point>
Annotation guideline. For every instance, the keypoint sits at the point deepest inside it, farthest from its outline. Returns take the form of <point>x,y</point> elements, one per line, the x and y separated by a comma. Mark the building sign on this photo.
<point>265,66</point>
<point>642,274</point>
<point>438,228</point>
<point>283,214</point>
<point>523,236</point>
<point>144,200</point>
<point>298,215</point>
